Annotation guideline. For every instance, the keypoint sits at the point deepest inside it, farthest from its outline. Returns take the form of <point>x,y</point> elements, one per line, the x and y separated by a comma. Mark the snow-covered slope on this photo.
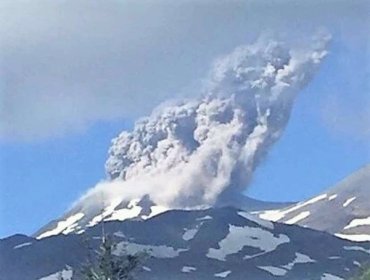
<point>343,210</point>
<point>86,214</point>
<point>199,244</point>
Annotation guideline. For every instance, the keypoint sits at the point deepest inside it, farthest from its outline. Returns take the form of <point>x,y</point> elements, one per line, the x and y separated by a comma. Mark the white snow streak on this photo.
<point>358,222</point>
<point>22,245</point>
<point>298,218</point>
<point>276,215</point>
<point>348,201</point>
<point>356,248</point>
<point>354,237</point>
<point>205,218</point>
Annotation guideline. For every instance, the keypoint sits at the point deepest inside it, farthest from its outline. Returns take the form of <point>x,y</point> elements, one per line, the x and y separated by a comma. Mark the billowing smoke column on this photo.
<point>196,152</point>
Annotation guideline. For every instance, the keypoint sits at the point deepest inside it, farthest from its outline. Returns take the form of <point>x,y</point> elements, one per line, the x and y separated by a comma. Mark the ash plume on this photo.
<point>196,152</point>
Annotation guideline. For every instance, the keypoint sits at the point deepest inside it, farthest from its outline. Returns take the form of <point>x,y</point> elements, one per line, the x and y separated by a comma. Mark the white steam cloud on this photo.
<point>197,152</point>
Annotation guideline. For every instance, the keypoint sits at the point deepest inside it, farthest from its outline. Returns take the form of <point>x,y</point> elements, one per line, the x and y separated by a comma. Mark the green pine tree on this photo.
<point>108,266</point>
<point>363,274</point>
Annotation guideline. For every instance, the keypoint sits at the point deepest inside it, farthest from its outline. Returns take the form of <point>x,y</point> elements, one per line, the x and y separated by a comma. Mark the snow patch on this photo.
<point>107,212</point>
<point>333,196</point>
<point>132,211</point>
<point>299,258</point>
<point>205,218</point>
<point>238,237</point>
<point>223,274</point>
<point>65,226</point>
<point>155,210</point>
<point>119,234</point>
<point>357,263</point>
<point>327,276</point>
<point>147,268</point>
<point>157,251</point>
<point>189,234</point>
<point>22,245</point>
<point>188,269</point>
<point>66,274</point>
<point>276,271</point>
<point>272,215</point>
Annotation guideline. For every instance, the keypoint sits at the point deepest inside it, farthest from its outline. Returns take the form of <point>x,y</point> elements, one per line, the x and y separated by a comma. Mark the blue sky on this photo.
<point>48,159</point>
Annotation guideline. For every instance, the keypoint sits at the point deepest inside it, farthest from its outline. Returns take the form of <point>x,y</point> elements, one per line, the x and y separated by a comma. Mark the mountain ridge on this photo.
<point>141,208</point>
<point>196,244</point>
